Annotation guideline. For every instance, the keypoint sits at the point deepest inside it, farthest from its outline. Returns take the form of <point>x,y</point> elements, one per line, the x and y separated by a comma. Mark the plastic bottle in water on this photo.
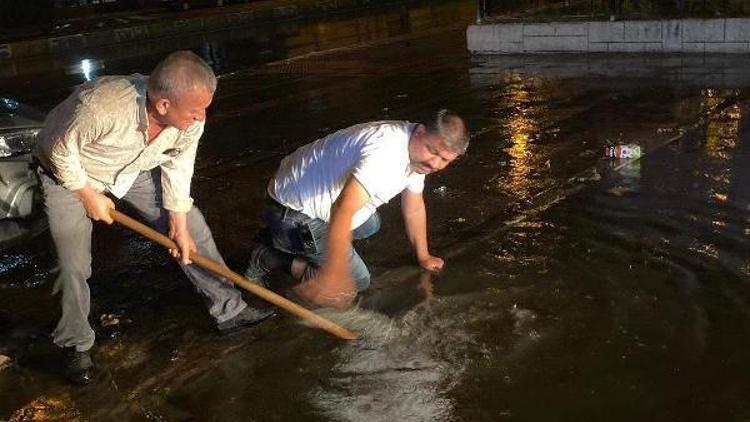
<point>629,151</point>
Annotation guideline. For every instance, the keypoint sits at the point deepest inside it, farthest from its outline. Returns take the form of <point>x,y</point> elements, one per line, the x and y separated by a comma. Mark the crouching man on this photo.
<point>326,193</point>
<point>133,138</point>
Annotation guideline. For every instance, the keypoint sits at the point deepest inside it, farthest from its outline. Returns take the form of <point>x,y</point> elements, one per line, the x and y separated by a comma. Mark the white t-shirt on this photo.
<point>376,154</point>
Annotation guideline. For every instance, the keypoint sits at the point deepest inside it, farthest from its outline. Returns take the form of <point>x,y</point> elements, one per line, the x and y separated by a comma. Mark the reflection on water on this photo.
<point>640,271</point>
<point>48,409</point>
<point>720,141</point>
<point>721,135</point>
<point>233,49</point>
<point>521,127</point>
<point>721,130</point>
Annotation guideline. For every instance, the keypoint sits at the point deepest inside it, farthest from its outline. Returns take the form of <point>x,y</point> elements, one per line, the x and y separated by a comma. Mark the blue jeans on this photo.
<point>298,234</point>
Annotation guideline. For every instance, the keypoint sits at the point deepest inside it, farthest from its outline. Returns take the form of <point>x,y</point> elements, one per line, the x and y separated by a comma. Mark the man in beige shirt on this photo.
<point>132,138</point>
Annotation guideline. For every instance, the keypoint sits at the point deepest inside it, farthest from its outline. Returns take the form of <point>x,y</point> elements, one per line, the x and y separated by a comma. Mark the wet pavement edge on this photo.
<point>178,24</point>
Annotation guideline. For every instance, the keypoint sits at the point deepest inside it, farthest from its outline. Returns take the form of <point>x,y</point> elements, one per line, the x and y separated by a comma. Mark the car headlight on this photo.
<point>9,104</point>
<point>17,142</point>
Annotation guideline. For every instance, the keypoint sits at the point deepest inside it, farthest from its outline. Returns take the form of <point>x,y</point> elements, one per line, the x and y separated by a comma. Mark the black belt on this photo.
<point>36,164</point>
<point>275,204</point>
<point>283,208</point>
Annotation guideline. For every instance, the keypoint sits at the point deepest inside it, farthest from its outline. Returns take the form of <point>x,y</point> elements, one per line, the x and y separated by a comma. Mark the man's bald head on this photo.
<point>180,73</point>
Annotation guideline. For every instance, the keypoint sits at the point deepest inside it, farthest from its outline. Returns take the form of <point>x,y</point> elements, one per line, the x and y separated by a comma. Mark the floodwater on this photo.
<point>576,288</point>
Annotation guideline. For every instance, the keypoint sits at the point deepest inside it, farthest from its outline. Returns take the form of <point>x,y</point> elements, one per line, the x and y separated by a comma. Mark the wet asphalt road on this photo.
<point>576,288</point>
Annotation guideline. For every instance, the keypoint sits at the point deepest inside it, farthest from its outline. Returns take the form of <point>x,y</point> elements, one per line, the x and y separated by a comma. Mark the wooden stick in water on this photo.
<point>237,279</point>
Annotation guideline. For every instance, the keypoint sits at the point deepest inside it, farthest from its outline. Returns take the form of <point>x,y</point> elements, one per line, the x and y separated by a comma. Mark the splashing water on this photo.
<point>400,368</point>
<point>389,373</point>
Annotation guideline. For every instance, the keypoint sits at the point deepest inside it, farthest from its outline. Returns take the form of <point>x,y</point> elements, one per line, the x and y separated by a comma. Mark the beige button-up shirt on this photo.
<point>99,136</point>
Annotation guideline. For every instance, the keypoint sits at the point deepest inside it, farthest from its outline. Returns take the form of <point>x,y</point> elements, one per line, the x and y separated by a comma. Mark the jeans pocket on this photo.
<point>307,239</point>
<point>312,235</point>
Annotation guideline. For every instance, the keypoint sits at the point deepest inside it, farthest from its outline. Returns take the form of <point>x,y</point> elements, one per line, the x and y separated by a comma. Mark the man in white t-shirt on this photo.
<point>326,193</point>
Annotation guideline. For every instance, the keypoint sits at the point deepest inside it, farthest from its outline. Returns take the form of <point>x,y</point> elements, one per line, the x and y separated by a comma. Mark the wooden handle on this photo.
<point>235,278</point>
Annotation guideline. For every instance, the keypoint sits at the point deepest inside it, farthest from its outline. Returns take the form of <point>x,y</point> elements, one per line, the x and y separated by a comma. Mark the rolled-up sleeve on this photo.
<point>66,140</point>
<point>177,172</point>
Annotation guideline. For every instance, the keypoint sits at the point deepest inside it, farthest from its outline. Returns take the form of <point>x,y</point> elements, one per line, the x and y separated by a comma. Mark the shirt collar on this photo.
<point>141,88</point>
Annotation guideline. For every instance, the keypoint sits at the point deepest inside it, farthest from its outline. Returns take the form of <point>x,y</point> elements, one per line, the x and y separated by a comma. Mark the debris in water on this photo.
<point>107,320</point>
<point>523,318</point>
<point>534,335</point>
<point>630,151</point>
<point>113,325</point>
<point>592,176</point>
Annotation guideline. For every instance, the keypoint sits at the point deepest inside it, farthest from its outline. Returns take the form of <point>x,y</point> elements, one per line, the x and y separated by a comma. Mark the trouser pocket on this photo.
<point>313,234</point>
<point>307,239</point>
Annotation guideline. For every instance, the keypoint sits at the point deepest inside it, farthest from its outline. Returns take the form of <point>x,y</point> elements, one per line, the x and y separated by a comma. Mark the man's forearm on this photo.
<point>97,205</point>
<point>415,223</point>
<point>85,192</point>
<point>179,233</point>
<point>351,199</point>
<point>339,240</point>
<point>177,221</point>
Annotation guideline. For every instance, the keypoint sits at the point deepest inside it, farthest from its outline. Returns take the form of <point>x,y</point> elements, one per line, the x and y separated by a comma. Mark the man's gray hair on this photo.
<point>180,73</point>
<point>452,129</point>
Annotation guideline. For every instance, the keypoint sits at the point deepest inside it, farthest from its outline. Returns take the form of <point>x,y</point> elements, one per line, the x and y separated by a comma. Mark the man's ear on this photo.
<point>419,132</point>
<point>162,106</point>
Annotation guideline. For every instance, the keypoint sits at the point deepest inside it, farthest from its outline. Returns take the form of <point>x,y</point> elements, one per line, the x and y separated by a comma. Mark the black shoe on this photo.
<point>246,318</point>
<point>79,368</point>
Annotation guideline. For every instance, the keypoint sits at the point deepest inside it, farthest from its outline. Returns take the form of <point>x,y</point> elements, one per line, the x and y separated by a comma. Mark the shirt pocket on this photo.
<point>166,155</point>
<point>171,153</point>
<point>174,150</point>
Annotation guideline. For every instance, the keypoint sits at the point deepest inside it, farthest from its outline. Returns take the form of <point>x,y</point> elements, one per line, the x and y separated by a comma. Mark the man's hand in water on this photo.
<point>431,263</point>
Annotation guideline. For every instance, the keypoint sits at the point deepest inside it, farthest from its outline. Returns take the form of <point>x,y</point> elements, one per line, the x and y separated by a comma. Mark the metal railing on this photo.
<point>610,9</point>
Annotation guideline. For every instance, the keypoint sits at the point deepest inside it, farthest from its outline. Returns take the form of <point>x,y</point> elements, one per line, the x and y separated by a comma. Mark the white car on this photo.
<point>21,212</point>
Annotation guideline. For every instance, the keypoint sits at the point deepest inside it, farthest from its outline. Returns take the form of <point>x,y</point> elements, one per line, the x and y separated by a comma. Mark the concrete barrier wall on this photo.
<point>664,36</point>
